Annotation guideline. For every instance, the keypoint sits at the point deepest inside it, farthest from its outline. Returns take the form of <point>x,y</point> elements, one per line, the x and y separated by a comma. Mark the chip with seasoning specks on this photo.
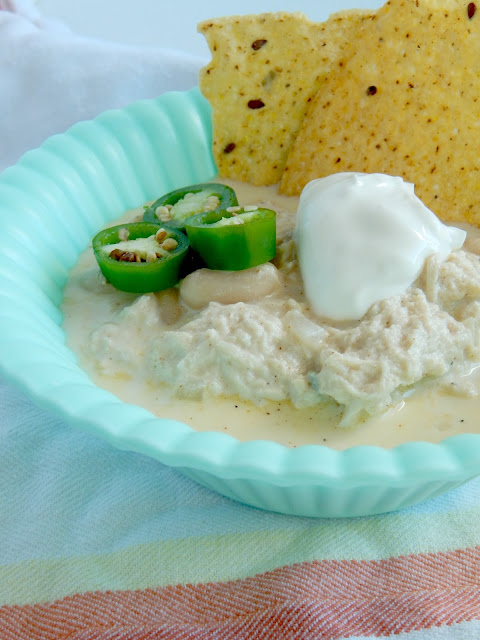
<point>407,102</point>
<point>264,70</point>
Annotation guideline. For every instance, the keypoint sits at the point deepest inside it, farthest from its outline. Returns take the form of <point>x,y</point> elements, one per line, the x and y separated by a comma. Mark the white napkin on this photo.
<point>51,78</point>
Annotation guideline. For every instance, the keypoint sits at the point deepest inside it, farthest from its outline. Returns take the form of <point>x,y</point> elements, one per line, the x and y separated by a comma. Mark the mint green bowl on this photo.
<point>51,204</point>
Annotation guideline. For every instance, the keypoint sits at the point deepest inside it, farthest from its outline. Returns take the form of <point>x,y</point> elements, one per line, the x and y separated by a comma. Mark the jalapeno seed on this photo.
<point>169,244</point>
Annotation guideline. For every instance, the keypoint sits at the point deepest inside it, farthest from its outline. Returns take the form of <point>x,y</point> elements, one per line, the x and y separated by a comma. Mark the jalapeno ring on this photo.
<point>161,266</point>
<point>173,208</point>
<point>233,240</point>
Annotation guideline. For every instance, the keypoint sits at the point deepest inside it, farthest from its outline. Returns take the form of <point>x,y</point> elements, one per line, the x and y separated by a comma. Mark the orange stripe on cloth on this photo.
<point>328,599</point>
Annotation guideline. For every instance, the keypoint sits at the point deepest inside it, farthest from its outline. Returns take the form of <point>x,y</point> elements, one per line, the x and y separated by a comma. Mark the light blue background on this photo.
<point>173,24</point>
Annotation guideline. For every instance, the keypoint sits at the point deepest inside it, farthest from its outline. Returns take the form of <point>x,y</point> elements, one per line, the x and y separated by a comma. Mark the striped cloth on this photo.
<point>98,543</point>
<point>101,544</point>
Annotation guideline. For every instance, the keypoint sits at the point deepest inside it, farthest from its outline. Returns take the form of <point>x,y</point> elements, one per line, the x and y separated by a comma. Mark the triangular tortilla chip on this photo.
<point>406,103</point>
<point>264,70</point>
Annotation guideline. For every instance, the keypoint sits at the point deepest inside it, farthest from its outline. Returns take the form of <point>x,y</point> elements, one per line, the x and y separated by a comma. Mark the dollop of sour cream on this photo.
<point>362,238</point>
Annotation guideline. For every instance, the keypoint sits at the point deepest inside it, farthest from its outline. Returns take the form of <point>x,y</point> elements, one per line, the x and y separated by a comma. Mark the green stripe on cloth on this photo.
<point>233,556</point>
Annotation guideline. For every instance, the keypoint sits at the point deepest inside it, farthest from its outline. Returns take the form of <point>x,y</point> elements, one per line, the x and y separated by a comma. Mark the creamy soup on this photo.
<point>140,348</point>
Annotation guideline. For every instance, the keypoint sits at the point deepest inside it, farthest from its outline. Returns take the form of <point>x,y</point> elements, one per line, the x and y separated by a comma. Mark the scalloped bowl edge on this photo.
<point>51,204</point>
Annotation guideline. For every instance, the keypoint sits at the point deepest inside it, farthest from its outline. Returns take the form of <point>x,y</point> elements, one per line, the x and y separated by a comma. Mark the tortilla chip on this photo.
<point>264,71</point>
<point>406,103</point>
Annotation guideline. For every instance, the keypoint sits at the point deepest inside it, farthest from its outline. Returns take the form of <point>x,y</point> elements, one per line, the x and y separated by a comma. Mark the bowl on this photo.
<point>51,204</point>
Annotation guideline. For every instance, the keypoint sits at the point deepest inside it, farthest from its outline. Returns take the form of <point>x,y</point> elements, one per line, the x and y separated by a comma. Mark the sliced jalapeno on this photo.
<point>173,208</point>
<point>140,257</point>
<point>233,240</point>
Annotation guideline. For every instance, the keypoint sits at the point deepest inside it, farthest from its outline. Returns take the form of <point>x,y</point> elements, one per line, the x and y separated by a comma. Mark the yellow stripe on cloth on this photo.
<point>232,556</point>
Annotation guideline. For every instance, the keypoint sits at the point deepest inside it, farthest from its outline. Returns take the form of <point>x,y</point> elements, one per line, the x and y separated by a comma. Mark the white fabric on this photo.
<point>51,78</point>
